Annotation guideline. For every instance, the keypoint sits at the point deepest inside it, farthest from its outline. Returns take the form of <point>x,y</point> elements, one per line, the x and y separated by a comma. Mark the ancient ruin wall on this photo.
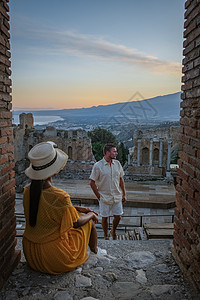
<point>74,142</point>
<point>8,256</point>
<point>186,244</point>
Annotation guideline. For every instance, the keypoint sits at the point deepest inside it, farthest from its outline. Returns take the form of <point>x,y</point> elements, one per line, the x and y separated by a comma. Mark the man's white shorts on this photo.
<point>107,210</point>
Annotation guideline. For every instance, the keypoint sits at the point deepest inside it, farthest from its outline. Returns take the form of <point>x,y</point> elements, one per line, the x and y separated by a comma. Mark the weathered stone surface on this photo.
<point>162,268</point>
<point>89,298</point>
<point>158,290</point>
<point>141,276</point>
<point>140,259</point>
<point>116,279</point>
<point>63,296</point>
<point>83,281</point>
<point>126,290</point>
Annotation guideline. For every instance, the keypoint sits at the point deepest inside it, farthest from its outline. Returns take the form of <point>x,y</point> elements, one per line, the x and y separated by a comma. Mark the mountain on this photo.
<point>161,108</point>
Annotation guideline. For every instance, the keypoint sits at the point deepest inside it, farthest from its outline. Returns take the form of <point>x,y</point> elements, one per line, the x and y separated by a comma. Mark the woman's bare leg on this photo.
<point>93,239</point>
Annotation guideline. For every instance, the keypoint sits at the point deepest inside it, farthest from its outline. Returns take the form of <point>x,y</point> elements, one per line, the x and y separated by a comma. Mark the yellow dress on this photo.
<point>53,245</point>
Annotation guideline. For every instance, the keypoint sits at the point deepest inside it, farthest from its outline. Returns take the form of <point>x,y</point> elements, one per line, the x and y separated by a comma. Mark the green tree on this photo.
<point>122,153</point>
<point>100,137</point>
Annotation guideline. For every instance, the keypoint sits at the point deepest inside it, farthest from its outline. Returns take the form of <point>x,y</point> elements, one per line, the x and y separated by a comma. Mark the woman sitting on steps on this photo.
<point>57,233</point>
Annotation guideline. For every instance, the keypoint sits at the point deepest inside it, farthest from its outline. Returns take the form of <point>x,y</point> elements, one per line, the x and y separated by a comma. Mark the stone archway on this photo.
<point>69,151</point>
<point>145,156</point>
<point>155,156</point>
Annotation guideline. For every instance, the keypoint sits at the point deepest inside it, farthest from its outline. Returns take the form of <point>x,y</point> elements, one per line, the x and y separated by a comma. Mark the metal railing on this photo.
<point>121,227</point>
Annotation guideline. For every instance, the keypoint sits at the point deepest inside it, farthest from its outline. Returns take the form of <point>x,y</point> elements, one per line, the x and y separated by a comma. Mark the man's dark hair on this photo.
<point>108,147</point>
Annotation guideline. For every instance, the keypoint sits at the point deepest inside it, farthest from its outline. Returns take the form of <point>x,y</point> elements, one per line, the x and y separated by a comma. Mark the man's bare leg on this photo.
<point>116,220</point>
<point>93,239</point>
<point>105,227</point>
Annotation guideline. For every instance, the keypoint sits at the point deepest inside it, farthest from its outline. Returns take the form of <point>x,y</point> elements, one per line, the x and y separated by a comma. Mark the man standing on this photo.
<point>108,185</point>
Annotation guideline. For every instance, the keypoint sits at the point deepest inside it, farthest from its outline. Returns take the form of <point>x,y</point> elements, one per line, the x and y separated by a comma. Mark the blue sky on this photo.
<point>81,53</point>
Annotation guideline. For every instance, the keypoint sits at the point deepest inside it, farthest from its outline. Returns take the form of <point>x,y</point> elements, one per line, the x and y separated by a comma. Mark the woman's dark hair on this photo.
<point>35,192</point>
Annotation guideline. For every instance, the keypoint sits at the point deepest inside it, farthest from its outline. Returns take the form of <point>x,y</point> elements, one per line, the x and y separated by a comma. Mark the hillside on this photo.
<point>161,108</point>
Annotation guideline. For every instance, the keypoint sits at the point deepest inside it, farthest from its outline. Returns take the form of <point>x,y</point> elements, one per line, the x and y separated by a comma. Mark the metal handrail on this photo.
<point>121,225</point>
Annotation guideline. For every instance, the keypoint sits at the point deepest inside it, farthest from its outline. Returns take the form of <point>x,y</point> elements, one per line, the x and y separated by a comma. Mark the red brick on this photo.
<point>186,206</point>
<point>4,179</point>
<point>197,113</point>
<point>189,28</point>
<point>194,143</point>
<point>184,121</point>
<point>9,185</point>
<point>189,170</point>
<point>185,139</point>
<point>4,30</point>
<point>7,168</point>
<point>191,16</point>
<point>5,123</point>
<point>12,174</point>
<point>10,157</point>
<point>187,3</point>
<point>190,220</point>
<point>3,160</point>
<point>193,93</point>
<point>197,62</point>
<point>6,131</point>
<point>197,197</point>
<point>178,239</point>
<point>193,35</point>
<point>192,74</point>
<point>195,183</point>
<point>177,213</point>
<point>189,149</point>
<point>193,123</point>
<point>188,67</point>
<point>188,48</point>
<point>187,188</point>
<point>6,23</point>
<point>196,217</point>
<point>5,97</point>
<point>184,156</point>
<point>3,140</point>
<point>181,172</point>
<point>194,162</point>
<point>7,149</point>
<point>10,139</point>
<point>5,114</point>
<point>3,12</point>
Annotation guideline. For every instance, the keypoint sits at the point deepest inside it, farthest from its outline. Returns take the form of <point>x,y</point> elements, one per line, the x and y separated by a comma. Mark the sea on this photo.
<point>39,120</point>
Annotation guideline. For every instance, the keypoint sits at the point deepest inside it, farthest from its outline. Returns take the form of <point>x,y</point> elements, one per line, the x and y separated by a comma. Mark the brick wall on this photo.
<point>8,256</point>
<point>186,244</point>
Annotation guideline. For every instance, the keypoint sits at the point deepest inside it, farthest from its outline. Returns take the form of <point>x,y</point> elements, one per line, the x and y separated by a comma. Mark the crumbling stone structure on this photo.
<point>152,152</point>
<point>186,244</point>
<point>74,142</point>
<point>8,256</point>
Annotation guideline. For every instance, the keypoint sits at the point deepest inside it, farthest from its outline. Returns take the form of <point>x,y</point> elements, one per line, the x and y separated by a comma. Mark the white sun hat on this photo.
<point>46,160</point>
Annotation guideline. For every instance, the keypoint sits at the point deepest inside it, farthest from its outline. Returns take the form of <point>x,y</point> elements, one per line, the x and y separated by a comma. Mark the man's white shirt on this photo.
<point>107,179</point>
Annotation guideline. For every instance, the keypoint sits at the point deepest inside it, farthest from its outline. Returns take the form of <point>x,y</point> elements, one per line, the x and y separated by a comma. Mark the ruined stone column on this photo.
<point>161,153</point>
<point>150,152</point>
<point>168,155</point>
<point>129,159</point>
<point>139,152</point>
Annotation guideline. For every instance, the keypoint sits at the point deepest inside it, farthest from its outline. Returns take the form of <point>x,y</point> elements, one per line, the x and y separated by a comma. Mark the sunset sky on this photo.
<point>81,53</point>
